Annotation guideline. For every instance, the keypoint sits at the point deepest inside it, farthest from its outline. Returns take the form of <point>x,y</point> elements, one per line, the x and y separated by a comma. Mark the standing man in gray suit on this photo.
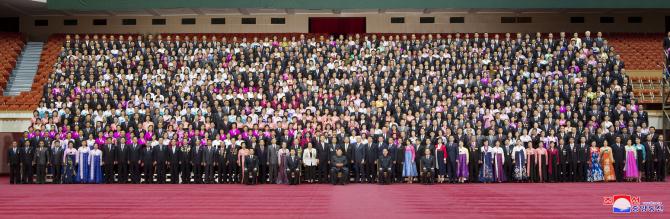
<point>56,159</point>
<point>209,157</point>
<point>41,160</point>
<point>272,160</point>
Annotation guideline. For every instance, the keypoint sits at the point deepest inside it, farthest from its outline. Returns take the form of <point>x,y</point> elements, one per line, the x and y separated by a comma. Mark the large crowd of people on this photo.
<point>372,108</point>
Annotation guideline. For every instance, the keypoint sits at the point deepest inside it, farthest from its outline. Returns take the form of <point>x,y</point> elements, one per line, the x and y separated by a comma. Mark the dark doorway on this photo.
<point>9,24</point>
<point>337,25</point>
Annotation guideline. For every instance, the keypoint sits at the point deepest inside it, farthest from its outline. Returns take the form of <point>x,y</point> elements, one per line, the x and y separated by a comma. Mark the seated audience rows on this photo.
<point>461,107</point>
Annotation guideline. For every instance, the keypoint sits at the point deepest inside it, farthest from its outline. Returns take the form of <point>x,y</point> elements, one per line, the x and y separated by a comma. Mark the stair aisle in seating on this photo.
<point>22,77</point>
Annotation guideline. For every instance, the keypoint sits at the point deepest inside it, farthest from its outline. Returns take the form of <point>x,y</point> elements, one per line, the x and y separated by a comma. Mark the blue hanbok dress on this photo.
<point>409,169</point>
<point>83,165</point>
<point>486,171</point>
<point>595,172</point>
<point>96,166</point>
<point>520,172</point>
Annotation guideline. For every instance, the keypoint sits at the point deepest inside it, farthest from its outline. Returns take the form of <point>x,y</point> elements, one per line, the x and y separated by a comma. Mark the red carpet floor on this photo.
<point>565,200</point>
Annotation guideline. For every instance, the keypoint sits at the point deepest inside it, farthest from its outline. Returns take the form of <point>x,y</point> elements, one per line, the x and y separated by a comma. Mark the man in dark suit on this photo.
<point>27,156</point>
<point>323,154</point>
<point>661,159</point>
<point>173,162</point>
<point>160,158</point>
<point>262,155</point>
<point>619,155</point>
<point>340,163</point>
<point>109,158</point>
<point>385,163</point>
<point>56,154</point>
<point>563,151</point>
<point>427,167</point>
<point>122,161</point>
<point>650,148</point>
<point>251,168</point>
<point>393,150</point>
<point>473,159</point>
<point>233,163</point>
<point>209,158</point>
<point>222,162</point>
<point>507,165</point>
<point>359,162</point>
<point>571,161</point>
<point>41,161</point>
<point>14,161</point>
<point>452,165</point>
<point>293,168</point>
<point>371,158</point>
<point>196,161</point>
<point>148,164</point>
<point>135,159</point>
<point>185,163</point>
<point>583,156</point>
<point>347,151</point>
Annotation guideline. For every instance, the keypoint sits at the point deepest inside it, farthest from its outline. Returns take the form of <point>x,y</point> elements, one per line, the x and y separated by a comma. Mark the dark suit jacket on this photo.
<point>583,153</point>
<point>371,152</point>
<point>262,155</point>
<point>293,163</point>
<point>146,155</point>
<point>160,153</point>
<point>660,152</point>
<point>619,153</point>
<point>135,153</point>
<point>400,155</point>
<point>196,155</point>
<point>359,153</point>
<point>27,155</point>
<point>173,157</point>
<point>208,155</point>
<point>251,162</point>
<point>323,153</point>
<point>385,162</point>
<point>427,162</point>
<point>452,152</point>
<point>122,155</point>
<point>56,155</point>
<point>108,153</point>
<point>572,153</point>
<point>13,158</point>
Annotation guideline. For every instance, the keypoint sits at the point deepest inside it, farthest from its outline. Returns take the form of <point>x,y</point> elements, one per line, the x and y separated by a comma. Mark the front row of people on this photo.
<point>571,162</point>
